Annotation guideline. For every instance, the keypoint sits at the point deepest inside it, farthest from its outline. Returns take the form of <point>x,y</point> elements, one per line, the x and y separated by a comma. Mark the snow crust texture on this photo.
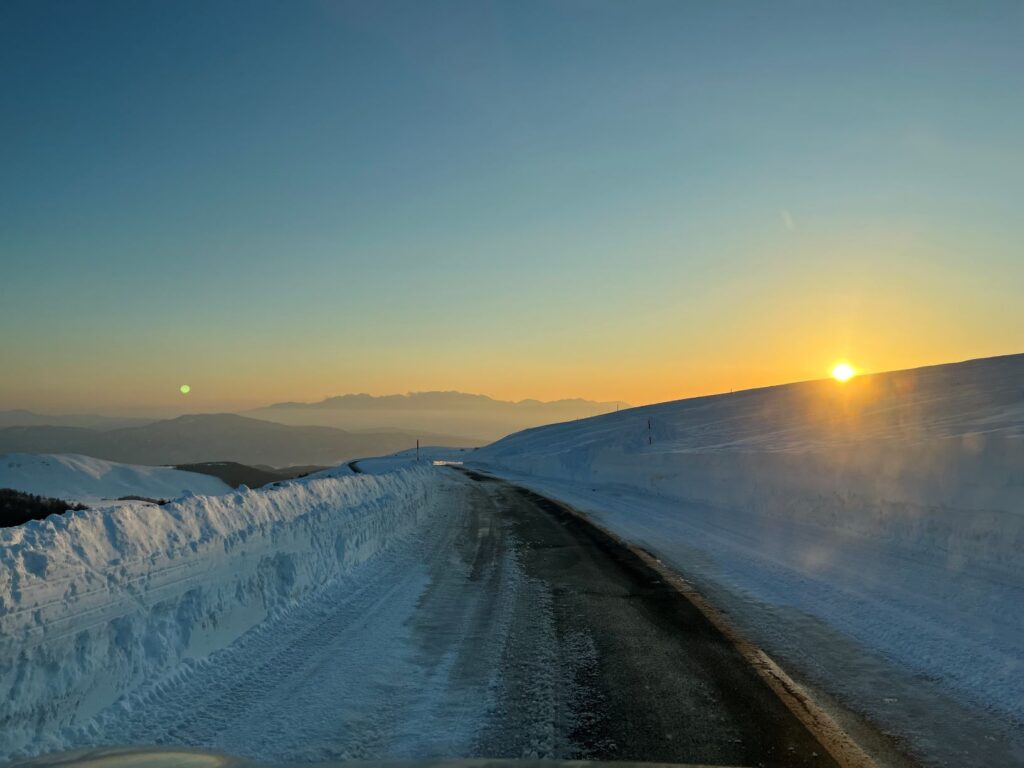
<point>94,603</point>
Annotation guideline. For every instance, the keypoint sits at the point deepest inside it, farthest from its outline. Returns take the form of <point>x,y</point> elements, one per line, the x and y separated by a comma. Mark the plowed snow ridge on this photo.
<point>93,604</point>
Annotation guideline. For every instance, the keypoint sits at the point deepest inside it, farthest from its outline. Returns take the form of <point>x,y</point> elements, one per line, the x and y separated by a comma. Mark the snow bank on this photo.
<point>931,459</point>
<point>83,478</point>
<point>889,509</point>
<point>93,603</point>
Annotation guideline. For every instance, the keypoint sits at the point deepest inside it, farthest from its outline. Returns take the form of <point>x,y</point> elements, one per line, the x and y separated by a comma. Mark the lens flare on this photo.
<point>185,389</point>
<point>843,372</point>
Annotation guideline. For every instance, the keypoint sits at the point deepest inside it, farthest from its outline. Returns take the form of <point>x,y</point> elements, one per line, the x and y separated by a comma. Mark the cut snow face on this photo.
<point>95,603</point>
<point>89,480</point>
<point>869,533</point>
<point>946,436</point>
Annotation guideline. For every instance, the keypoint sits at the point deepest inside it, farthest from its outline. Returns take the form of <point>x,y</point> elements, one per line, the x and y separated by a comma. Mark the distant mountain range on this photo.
<point>218,437</point>
<point>476,416</point>
<point>291,433</point>
<point>23,418</point>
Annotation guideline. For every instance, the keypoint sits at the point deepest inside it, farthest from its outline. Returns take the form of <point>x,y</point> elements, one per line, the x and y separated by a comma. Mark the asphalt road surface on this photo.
<point>510,629</point>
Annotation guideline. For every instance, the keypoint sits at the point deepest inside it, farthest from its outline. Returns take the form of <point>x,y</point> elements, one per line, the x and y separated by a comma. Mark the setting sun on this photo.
<point>843,372</point>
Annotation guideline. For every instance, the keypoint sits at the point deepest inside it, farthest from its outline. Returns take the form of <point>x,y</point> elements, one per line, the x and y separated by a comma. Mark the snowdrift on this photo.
<point>93,603</point>
<point>887,511</point>
<point>82,478</point>
<point>931,458</point>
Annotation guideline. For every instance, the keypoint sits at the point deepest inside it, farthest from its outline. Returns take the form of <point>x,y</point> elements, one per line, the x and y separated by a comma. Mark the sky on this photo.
<point>635,201</point>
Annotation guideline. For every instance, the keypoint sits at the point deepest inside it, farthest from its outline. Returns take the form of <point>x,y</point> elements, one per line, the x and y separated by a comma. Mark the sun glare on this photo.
<point>843,372</point>
<point>185,389</point>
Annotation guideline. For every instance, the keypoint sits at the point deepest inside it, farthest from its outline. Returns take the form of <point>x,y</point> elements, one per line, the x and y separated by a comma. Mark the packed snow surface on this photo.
<point>869,533</point>
<point>95,604</point>
<point>82,478</point>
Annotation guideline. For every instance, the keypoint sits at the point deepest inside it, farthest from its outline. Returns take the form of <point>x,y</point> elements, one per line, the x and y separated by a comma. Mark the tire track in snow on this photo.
<point>398,658</point>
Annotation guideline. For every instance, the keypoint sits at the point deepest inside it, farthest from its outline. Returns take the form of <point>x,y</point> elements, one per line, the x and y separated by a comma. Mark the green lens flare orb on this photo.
<point>185,389</point>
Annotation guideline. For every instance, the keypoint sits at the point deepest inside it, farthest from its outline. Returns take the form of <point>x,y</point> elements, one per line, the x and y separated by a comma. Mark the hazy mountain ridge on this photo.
<point>450,417</point>
<point>199,438</point>
<point>478,416</point>
<point>434,399</point>
<point>20,417</point>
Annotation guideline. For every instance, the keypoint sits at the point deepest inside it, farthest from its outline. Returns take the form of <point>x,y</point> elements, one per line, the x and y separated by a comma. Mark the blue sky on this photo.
<point>618,200</point>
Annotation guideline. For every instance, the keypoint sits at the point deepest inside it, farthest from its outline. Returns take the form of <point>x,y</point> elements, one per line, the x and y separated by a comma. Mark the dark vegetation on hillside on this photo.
<point>235,474</point>
<point>17,507</point>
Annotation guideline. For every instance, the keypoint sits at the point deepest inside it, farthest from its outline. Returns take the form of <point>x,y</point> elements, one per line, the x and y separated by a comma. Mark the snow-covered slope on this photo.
<point>870,533</point>
<point>95,603</point>
<point>83,478</point>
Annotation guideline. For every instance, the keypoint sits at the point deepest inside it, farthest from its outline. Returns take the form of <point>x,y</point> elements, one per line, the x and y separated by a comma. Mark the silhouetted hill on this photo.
<point>478,416</point>
<point>201,438</point>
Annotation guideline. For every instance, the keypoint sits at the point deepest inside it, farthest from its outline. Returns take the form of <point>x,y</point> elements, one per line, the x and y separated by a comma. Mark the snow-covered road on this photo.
<point>363,667</point>
<point>501,628</point>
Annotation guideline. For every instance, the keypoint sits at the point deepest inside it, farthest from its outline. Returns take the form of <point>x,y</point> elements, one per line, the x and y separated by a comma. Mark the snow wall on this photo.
<point>961,498</point>
<point>93,603</point>
<point>929,459</point>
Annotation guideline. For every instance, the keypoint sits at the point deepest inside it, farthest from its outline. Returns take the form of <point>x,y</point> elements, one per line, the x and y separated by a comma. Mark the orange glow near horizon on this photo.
<point>637,375</point>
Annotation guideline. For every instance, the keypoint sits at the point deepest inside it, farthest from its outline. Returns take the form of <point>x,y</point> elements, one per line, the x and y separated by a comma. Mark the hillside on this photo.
<point>23,418</point>
<point>215,437</point>
<point>948,434</point>
<point>82,478</point>
<point>476,416</point>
